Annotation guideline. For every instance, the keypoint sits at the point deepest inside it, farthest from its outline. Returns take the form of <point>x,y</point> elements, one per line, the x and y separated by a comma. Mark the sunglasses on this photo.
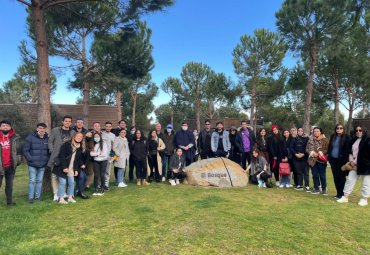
<point>358,130</point>
<point>339,128</point>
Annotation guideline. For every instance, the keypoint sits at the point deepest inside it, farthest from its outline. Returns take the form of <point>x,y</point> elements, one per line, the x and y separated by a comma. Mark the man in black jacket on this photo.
<point>204,141</point>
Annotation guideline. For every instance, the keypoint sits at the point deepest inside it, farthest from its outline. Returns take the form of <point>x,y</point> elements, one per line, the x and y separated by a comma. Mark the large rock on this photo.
<point>219,172</point>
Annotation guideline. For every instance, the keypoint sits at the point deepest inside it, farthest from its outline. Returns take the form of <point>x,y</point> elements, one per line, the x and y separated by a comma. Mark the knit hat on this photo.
<point>170,126</point>
<point>273,127</point>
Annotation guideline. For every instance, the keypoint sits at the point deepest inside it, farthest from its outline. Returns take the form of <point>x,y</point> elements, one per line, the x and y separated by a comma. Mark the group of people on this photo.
<point>78,156</point>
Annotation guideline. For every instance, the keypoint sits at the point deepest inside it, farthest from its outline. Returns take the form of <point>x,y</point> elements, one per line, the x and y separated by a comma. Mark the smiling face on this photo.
<point>122,133</point>
<point>79,137</point>
<point>67,122</point>
<point>316,132</point>
<point>263,132</point>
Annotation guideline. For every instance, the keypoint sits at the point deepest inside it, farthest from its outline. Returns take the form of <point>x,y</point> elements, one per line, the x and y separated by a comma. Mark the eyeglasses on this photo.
<point>339,128</point>
<point>358,130</point>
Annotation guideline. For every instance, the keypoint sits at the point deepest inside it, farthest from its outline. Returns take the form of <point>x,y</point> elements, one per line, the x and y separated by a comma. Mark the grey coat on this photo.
<point>55,143</point>
<point>121,149</point>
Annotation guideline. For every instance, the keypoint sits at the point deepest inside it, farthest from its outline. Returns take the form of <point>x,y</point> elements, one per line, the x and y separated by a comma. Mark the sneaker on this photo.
<point>177,181</point>
<point>277,184</point>
<point>308,189</point>
<point>264,185</point>
<point>287,186</point>
<point>260,183</point>
<point>281,186</point>
<point>105,188</point>
<point>138,183</point>
<point>62,201</point>
<point>298,188</point>
<point>320,188</point>
<point>172,182</point>
<point>124,185</point>
<point>324,192</point>
<point>315,192</point>
<point>55,198</point>
<point>163,179</point>
<point>95,194</point>
<point>362,202</point>
<point>71,200</point>
<point>145,182</point>
<point>342,200</point>
<point>120,185</point>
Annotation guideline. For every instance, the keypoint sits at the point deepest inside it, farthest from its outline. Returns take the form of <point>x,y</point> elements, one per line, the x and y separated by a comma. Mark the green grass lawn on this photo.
<point>160,219</point>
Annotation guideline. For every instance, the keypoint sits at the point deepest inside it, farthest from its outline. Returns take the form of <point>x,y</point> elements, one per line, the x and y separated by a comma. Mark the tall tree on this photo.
<point>305,25</point>
<point>255,58</point>
<point>130,10</point>
<point>196,77</point>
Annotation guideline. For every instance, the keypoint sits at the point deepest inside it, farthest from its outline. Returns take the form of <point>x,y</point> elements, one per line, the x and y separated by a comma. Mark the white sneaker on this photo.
<point>177,181</point>
<point>55,197</point>
<point>287,186</point>
<point>281,186</point>
<point>95,194</point>
<point>172,182</point>
<point>71,200</point>
<point>120,185</point>
<point>342,200</point>
<point>362,202</point>
<point>124,185</point>
<point>277,184</point>
<point>163,179</point>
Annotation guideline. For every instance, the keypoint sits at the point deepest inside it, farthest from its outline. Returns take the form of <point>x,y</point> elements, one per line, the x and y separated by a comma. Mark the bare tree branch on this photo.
<point>24,2</point>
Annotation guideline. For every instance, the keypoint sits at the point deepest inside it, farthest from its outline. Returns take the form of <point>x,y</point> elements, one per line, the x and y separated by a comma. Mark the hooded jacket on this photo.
<point>12,138</point>
<point>35,150</point>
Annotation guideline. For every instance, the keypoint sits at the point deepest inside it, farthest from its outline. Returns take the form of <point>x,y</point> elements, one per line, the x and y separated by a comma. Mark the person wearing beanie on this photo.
<point>8,158</point>
<point>274,147</point>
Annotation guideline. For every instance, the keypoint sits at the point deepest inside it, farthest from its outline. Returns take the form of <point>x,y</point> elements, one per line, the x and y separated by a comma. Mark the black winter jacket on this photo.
<point>36,151</point>
<point>65,156</point>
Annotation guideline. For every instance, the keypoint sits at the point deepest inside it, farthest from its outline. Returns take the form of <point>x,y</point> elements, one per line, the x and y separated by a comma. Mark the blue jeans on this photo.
<point>285,179</point>
<point>62,186</point>
<point>121,174</point>
<point>35,177</point>
<point>81,181</point>
<point>165,165</point>
<point>319,175</point>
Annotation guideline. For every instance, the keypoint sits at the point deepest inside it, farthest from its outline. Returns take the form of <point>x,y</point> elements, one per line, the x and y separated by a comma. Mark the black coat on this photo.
<point>236,145</point>
<point>298,145</point>
<point>363,157</point>
<point>65,155</point>
<point>168,140</point>
<point>184,138</point>
<point>35,150</point>
<point>344,149</point>
<point>274,147</point>
<point>139,150</point>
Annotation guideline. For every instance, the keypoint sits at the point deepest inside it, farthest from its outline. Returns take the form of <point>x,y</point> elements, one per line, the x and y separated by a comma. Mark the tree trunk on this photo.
<point>118,105</point>
<point>197,113</point>
<point>309,90</point>
<point>253,105</point>
<point>43,76</point>
<point>351,104</point>
<point>172,113</point>
<point>86,84</point>
<point>336,98</point>
<point>134,97</point>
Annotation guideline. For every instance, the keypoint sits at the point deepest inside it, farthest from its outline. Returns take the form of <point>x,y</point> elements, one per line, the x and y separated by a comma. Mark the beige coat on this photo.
<point>121,149</point>
<point>161,147</point>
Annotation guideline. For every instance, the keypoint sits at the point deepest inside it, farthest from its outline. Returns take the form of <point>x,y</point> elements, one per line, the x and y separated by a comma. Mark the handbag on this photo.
<point>284,168</point>
<point>323,158</point>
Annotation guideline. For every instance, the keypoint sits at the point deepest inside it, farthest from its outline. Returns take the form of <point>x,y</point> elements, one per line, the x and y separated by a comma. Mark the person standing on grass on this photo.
<point>220,141</point>
<point>71,160</point>
<point>262,143</point>
<point>246,135</point>
<point>99,150</point>
<point>317,149</point>
<point>58,136</point>
<point>139,152</point>
<point>204,141</point>
<point>8,158</point>
<point>122,151</point>
<point>168,139</point>
<point>36,152</point>
<point>236,146</point>
<point>176,168</point>
<point>131,163</point>
<point>155,146</point>
<point>338,152</point>
<point>293,135</point>
<point>285,155</point>
<point>108,138</point>
<point>258,169</point>
<point>300,157</point>
<point>360,159</point>
<point>89,161</point>
<point>274,148</point>
<point>185,140</point>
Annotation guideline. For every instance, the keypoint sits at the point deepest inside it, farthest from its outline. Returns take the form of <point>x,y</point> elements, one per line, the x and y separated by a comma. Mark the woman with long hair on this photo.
<point>274,147</point>
<point>236,146</point>
<point>262,143</point>
<point>258,169</point>
<point>338,152</point>
<point>139,152</point>
<point>99,151</point>
<point>360,159</point>
<point>71,160</point>
<point>155,145</point>
<point>122,151</point>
